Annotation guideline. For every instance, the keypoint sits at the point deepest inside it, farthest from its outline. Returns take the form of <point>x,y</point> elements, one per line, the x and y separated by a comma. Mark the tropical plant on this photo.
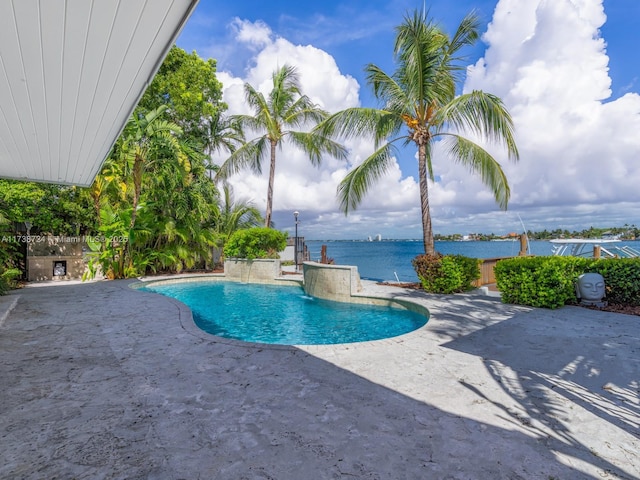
<point>163,211</point>
<point>9,253</point>
<point>180,212</point>
<point>51,209</point>
<point>256,242</point>
<point>420,106</point>
<point>146,140</point>
<point>275,118</point>
<point>110,254</point>
<point>547,282</point>
<point>188,86</point>
<point>446,273</point>
<point>234,215</point>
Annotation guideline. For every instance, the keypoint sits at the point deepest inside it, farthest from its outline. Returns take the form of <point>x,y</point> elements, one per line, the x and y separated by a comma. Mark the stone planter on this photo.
<point>259,270</point>
<point>331,282</point>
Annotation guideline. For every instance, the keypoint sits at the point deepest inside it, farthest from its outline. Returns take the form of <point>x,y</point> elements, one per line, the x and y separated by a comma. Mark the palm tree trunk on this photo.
<point>427,230</point>
<point>272,174</point>
<point>137,189</point>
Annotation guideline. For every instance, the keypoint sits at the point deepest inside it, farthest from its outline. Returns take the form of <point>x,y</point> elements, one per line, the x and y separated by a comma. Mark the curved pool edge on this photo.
<point>185,317</point>
<point>189,325</point>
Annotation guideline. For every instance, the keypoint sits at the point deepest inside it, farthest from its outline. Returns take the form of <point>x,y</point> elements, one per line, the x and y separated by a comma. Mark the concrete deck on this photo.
<point>99,381</point>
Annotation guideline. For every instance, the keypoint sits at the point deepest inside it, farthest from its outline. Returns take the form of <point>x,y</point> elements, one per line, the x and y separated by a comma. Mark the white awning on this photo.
<point>71,73</point>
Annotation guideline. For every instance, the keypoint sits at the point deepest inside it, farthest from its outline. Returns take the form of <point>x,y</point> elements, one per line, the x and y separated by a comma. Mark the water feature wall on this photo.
<point>252,271</point>
<point>331,282</point>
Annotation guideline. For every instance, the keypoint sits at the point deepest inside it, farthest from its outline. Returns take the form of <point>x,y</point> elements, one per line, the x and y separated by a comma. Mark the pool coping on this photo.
<point>362,298</point>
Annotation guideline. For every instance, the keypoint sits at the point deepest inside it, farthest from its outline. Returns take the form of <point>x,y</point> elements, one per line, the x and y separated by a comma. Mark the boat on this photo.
<point>593,247</point>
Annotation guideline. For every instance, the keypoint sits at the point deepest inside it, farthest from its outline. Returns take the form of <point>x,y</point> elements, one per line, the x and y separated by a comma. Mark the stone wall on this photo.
<point>55,258</point>
<point>331,282</point>
<point>252,271</point>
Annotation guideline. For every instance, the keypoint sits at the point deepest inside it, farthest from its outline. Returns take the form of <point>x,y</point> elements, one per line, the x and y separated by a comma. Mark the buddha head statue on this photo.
<point>590,288</point>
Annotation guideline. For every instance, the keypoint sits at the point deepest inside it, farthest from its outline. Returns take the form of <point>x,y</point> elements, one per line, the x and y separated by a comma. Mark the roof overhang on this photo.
<point>71,73</point>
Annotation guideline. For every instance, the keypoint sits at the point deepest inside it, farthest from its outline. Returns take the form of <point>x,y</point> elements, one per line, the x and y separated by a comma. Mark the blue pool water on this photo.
<point>285,315</point>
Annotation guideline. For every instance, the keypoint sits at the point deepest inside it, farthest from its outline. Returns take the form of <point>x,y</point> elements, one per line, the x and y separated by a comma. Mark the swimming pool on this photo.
<point>284,314</point>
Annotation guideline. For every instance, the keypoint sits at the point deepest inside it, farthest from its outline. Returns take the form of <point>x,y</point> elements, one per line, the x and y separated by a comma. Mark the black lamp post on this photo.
<point>295,247</point>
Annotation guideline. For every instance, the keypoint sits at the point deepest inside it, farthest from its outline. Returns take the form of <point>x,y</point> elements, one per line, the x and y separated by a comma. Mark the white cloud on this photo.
<point>547,61</point>
<point>255,34</point>
<point>298,185</point>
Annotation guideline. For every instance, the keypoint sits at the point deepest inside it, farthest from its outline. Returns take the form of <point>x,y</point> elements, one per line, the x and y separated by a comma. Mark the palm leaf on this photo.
<point>355,185</point>
<point>484,115</point>
<point>480,162</point>
<point>315,144</point>
<point>248,155</point>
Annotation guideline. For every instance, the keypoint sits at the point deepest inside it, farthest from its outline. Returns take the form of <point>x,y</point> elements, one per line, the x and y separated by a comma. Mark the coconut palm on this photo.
<point>420,107</point>
<point>275,118</point>
<point>145,141</point>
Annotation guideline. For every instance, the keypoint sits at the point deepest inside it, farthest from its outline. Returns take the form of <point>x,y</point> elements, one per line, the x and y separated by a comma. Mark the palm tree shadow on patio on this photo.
<point>554,365</point>
<point>100,387</point>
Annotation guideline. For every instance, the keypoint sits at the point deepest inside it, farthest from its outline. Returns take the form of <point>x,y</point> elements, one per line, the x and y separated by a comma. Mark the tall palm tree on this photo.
<point>146,140</point>
<point>275,118</point>
<point>420,106</point>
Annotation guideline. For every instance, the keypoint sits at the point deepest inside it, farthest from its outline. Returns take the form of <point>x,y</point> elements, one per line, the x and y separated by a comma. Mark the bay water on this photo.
<point>390,260</point>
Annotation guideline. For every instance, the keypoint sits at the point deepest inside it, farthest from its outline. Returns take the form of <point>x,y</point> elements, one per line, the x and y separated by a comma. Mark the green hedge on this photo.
<point>446,273</point>
<point>621,279</point>
<point>549,282</point>
<point>258,242</point>
<point>8,278</point>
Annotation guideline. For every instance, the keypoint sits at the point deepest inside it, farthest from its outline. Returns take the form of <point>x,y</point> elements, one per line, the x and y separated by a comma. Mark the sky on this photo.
<point>567,70</point>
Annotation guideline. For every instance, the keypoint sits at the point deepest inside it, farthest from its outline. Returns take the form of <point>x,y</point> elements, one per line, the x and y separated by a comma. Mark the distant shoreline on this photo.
<point>364,240</point>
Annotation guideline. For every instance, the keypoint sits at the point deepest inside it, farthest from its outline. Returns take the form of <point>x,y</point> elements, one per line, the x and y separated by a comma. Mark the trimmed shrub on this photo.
<point>258,242</point>
<point>621,279</point>
<point>549,282</point>
<point>446,273</point>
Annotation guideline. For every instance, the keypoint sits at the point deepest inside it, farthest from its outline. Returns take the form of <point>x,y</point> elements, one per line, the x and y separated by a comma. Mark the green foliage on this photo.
<point>9,258</point>
<point>187,84</point>
<point>549,282</point>
<point>446,273</point>
<point>234,215</point>
<point>51,209</point>
<point>154,190</point>
<point>259,242</point>
<point>153,206</point>
<point>276,118</point>
<point>109,251</point>
<point>421,106</point>
<point>8,277</point>
<point>621,279</point>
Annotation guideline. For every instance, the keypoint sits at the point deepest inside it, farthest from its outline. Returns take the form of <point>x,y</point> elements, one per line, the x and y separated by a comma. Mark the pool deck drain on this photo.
<point>101,381</point>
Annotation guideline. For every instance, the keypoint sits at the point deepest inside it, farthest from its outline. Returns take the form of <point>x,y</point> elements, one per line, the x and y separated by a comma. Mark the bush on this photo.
<point>621,279</point>
<point>8,279</point>
<point>258,242</point>
<point>549,282</point>
<point>446,273</point>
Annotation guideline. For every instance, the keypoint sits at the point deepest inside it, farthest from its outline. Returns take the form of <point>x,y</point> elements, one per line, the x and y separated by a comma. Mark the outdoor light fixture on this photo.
<point>295,247</point>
